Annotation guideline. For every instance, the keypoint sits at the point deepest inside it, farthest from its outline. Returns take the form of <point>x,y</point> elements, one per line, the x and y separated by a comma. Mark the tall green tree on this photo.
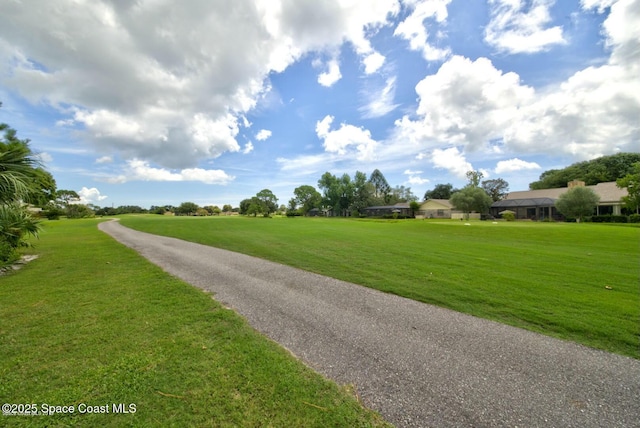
<point>474,178</point>
<point>253,206</point>
<point>18,167</point>
<point>362,192</point>
<point>66,197</point>
<point>19,182</point>
<point>268,201</point>
<point>496,188</point>
<point>331,191</point>
<point>187,208</point>
<point>381,188</point>
<point>472,198</point>
<point>306,197</point>
<point>631,182</point>
<point>440,191</point>
<point>577,202</point>
<point>401,194</point>
<point>337,193</point>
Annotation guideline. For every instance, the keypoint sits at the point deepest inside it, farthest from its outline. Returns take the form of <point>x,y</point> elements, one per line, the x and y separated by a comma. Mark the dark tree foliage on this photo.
<point>441,191</point>
<point>577,203</point>
<point>631,182</point>
<point>600,170</point>
<point>496,188</point>
<point>187,208</point>
<point>127,209</point>
<point>306,197</point>
<point>268,201</point>
<point>401,194</point>
<point>471,198</point>
<point>381,188</point>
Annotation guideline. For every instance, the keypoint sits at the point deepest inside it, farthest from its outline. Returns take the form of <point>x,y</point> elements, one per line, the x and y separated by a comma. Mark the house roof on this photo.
<point>608,192</point>
<point>528,202</point>
<point>400,205</point>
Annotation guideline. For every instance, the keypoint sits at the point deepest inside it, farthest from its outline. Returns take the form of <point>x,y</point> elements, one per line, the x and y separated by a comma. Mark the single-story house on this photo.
<point>435,208</point>
<point>402,209</point>
<point>540,204</point>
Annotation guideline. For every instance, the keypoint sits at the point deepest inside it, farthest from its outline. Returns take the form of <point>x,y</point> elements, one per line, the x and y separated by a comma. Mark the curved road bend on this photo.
<point>416,364</point>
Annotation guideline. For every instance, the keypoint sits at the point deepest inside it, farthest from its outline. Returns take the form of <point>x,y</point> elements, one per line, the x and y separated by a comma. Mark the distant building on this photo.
<point>435,208</point>
<point>540,204</point>
<point>402,209</point>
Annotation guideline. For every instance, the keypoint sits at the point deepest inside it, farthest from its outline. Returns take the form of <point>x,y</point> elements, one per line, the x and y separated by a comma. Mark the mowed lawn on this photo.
<point>579,282</point>
<point>93,325</point>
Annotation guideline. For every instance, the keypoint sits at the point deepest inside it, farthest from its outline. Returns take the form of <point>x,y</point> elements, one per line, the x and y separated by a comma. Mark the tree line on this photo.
<point>600,170</point>
<point>340,195</point>
<point>347,195</point>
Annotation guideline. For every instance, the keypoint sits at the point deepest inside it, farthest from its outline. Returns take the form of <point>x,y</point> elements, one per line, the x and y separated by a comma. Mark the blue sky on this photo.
<point>162,102</point>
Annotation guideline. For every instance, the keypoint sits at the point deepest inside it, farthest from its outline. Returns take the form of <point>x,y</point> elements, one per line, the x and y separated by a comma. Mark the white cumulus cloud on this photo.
<point>347,137</point>
<point>414,30</point>
<point>248,148</point>
<point>263,134</point>
<point>515,164</point>
<point>90,196</point>
<point>465,103</point>
<point>170,82</point>
<point>522,27</point>
<point>473,105</point>
<point>452,160</point>
<point>414,177</point>
<point>140,170</point>
<point>332,75</point>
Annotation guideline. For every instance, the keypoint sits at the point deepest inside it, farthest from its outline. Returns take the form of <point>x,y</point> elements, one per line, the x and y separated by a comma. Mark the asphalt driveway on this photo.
<point>416,364</point>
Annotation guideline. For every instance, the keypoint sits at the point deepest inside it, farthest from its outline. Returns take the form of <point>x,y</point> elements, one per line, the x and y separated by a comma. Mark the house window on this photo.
<point>605,209</point>
<point>440,213</point>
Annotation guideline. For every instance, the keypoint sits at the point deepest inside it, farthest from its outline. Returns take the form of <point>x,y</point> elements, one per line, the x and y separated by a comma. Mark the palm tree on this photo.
<point>17,169</point>
<point>16,223</point>
<point>17,175</point>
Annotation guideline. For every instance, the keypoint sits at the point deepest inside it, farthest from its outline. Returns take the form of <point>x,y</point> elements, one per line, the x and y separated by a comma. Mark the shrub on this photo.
<point>609,218</point>
<point>634,218</point>
<point>79,211</point>
<point>619,219</point>
<point>16,223</point>
<point>509,216</point>
<point>8,253</point>
<point>53,213</point>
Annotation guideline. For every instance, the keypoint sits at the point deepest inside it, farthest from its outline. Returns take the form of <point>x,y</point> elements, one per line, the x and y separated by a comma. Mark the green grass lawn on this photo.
<point>546,277</point>
<point>90,322</point>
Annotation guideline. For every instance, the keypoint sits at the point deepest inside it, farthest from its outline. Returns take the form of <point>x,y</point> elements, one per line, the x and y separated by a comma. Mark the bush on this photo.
<point>79,211</point>
<point>395,216</point>
<point>8,253</point>
<point>509,216</point>
<point>619,219</point>
<point>634,218</point>
<point>16,223</point>
<point>609,218</point>
<point>53,213</point>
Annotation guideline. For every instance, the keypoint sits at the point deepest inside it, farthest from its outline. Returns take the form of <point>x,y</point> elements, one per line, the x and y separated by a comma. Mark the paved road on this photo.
<point>418,365</point>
